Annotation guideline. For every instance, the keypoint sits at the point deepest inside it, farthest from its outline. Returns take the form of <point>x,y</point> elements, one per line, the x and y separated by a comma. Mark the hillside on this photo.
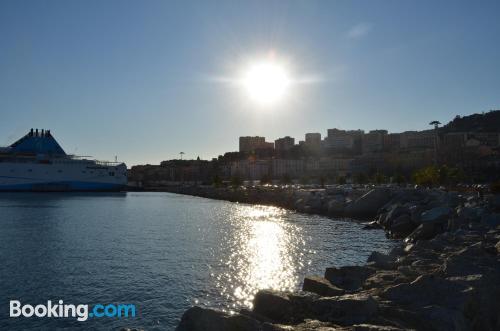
<point>485,122</point>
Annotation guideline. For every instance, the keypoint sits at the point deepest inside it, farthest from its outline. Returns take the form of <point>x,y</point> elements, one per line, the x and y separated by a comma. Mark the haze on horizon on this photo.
<point>147,80</point>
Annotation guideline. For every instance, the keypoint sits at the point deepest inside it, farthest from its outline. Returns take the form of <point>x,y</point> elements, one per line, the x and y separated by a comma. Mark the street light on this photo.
<point>436,127</point>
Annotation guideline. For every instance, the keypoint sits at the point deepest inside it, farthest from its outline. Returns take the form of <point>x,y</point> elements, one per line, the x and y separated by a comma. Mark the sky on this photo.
<point>145,80</point>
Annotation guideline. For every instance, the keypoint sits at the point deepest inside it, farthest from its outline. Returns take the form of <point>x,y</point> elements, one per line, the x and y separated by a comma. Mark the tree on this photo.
<point>236,181</point>
<point>265,179</point>
<point>379,178</point>
<point>360,178</point>
<point>322,181</point>
<point>427,176</point>
<point>217,181</point>
<point>399,178</point>
<point>304,180</point>
<point>435,123</point>
<point>341,180</point>
<point>495,187</point>
<point>285,179</point>
<point>449,175</point>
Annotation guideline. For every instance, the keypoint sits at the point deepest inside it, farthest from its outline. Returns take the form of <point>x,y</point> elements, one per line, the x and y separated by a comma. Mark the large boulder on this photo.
<point>395,212</point>
<point>442,318</point>
<point>336,207</point>
<point>321,286</point>
<point>334,191</point>
<point>204,319</point>
<point>495,202</point>
<point>429,289</point>
<point>384,278</point>
<point>491,220</point>
<point>349,278</point>
<point>315,203</point>
<point>345,310</point>
<point>468,214</point>
<point>426,231</point>
<point>472,260</point>
<point>307,325</point>
<point>368,204</point>
<point>436,215</point>
<point>373,327</point>
<point>381,261</point>
<point>402,226</point>
<point>294,308</point>
<point>273,305</point>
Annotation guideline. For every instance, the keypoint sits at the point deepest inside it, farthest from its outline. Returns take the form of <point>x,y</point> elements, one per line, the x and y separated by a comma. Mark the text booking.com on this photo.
<point>82,312</point>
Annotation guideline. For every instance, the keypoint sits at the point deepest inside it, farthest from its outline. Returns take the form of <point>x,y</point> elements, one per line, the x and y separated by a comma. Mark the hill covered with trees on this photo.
<point>484,122</point>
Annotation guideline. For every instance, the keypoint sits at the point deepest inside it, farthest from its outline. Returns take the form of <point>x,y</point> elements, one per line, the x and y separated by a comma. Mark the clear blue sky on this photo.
<point>140,79</point>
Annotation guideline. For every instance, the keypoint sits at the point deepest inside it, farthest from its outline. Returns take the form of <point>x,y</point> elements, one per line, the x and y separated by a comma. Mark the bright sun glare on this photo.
<point>266,82</point>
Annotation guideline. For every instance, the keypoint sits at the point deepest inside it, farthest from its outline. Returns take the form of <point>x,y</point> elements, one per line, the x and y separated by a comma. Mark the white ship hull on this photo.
<point>62,175</point>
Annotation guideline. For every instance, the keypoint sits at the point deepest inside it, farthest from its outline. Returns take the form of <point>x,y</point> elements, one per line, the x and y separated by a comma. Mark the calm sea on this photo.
<point>162,252</point>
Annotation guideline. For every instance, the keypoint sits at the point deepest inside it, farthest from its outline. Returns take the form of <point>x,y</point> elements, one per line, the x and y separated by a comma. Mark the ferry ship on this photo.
<point>37,162</point>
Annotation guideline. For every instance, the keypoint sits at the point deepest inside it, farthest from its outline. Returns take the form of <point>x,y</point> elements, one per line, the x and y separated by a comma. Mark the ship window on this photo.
<point>84,172</point>
<point>59,170</point>
<point>30,170</point>
<point>111,173</point>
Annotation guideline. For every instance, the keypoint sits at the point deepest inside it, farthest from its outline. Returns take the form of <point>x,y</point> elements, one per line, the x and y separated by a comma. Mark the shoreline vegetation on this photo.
<point>443,275</point>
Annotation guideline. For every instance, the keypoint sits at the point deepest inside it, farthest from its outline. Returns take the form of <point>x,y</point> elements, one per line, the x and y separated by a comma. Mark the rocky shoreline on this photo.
<point>333,201</point>
<point>444,275</point>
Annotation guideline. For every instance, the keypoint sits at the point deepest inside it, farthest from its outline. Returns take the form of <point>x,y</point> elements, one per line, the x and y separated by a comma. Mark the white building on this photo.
<point>250,169</point>
<point>292,168</point>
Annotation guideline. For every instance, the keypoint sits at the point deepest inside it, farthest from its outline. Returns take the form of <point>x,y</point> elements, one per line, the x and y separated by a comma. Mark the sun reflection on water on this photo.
<point>265,252</point>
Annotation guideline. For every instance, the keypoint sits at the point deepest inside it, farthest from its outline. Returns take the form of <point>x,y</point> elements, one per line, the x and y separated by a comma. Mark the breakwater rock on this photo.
<point>444,274</point>
<point>361,202</point>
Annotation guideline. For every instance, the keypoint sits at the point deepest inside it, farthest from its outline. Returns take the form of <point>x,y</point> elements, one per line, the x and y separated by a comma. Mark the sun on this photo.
<point>266,82</point>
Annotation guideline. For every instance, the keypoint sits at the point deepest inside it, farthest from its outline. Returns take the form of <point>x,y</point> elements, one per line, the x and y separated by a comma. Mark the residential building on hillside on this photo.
<point>373,141</point>
<point>339,140</point>
<point>418,139</point>
<point>284,144</point>
<point>282,167</point>
<point>313,141</point>
<point>251,144</point>
<point>250,169</point>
